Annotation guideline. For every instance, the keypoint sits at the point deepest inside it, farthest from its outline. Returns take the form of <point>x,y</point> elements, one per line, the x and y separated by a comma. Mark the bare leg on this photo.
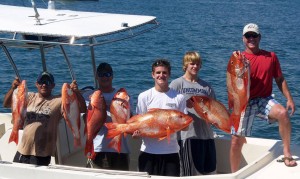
<point>279,113</point>
<point>237,143</point>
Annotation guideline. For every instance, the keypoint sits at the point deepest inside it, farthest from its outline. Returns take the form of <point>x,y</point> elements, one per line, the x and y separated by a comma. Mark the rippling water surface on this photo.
<point>211,27</point>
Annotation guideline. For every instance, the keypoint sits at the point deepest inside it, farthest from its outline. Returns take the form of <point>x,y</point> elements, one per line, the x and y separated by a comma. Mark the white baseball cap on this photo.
<point>251,28</point>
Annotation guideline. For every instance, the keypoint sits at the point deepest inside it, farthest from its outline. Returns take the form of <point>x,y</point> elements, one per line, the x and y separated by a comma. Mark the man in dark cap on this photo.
<point>38,142</point>
<point>107,157</point>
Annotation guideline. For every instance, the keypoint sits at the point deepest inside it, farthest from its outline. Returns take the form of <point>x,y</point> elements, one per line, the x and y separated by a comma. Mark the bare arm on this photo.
<point>8,96</point>
<point>283,87</point>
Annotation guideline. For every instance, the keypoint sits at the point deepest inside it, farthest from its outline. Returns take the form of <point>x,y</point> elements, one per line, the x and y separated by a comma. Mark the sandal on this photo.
<point>287,161</point>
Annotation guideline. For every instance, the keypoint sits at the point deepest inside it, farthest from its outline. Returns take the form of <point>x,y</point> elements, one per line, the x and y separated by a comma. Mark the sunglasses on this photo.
<point>108,74</point>
<point>45,82</point>
<point>249,35</point>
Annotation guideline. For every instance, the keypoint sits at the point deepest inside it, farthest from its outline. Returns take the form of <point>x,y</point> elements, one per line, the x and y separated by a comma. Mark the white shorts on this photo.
<point>257,107</point>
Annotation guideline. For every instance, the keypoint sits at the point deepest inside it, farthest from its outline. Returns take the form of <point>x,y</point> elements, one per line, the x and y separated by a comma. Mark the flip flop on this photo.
<point>289,159</point>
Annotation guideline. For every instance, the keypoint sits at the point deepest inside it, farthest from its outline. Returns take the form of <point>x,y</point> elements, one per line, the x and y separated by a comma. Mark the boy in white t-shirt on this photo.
<point>160,157</point>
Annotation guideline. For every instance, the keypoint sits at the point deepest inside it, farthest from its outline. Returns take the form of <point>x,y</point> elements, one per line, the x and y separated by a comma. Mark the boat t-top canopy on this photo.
<point>29,27</point>
<point>66,24</point>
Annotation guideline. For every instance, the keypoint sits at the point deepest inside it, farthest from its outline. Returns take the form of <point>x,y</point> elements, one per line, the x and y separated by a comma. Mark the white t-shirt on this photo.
<point>154,99</point>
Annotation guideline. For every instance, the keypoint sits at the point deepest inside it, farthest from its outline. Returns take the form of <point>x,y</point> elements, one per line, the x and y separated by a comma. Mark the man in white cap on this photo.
<point>264,67</point>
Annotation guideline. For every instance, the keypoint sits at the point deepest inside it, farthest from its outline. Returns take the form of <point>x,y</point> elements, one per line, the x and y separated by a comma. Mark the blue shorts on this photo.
<point>257,107</point>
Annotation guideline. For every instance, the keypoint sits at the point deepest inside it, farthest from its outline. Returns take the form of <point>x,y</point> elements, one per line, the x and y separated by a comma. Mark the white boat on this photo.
<point>25,27</point>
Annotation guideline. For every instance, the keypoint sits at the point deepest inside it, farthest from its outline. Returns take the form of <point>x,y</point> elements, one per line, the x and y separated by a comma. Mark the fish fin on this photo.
<point>161,138</point>
<point>115,143</point>
<point>168,134</point>
<point>88,116</point>
<point>230,101</point>
<point>77,140</point>
<point>14,137</point>
<point>110,125</point>
<point>153,109</point>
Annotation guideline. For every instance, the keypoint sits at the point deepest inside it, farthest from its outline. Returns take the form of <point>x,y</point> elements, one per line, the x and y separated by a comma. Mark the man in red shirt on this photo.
<point>264,67</point>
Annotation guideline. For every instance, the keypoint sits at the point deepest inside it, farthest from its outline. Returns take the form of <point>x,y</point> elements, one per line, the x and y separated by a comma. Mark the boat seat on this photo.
<point>88,88</point>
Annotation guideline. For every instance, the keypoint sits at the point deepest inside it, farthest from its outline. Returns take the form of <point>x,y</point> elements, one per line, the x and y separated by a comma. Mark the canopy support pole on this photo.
<point>68,62</point>
<point>93,62</point>
<point>10,60</point>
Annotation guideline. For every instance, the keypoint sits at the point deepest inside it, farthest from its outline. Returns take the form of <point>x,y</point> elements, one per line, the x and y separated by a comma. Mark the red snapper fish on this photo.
<point>120,113</point>
<point>238,86</point>
<point>95,118</point>
<point>19,109</point>
<point>71,112</point>
<point>120,107</point>
<point>156,123</point>
<point>212,111</point>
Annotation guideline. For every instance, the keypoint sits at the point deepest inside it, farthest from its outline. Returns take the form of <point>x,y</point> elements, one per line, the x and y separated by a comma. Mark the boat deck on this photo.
<point>259,159</point>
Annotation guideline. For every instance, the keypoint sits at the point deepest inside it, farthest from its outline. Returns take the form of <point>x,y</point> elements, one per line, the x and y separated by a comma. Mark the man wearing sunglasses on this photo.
<point>264,68</point>
<point>106,157</point>
<point>38,142</point>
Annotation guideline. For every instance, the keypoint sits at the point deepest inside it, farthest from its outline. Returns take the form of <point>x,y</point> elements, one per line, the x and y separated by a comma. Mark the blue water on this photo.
<point>209,26</point>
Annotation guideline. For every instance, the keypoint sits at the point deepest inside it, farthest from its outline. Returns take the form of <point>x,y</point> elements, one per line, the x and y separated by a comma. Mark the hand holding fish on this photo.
<point>136,134</point>
<point>15,83</point>
<point>189,103</point>
<point>74,85</point>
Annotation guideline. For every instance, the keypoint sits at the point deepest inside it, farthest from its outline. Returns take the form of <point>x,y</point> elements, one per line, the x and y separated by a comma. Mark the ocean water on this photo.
<point>211,27</point>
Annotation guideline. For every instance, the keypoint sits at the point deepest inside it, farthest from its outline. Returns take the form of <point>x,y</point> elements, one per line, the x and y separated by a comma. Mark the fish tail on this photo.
<point>14,137</point>
<point>92,155</point>
<point>115,143</point>
<point>235,121</point>
<point>77,142</point>
<point>89,148</point>
<point>112,130</point>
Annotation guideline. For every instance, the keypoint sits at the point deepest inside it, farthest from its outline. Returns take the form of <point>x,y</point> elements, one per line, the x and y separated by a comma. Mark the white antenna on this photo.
<point>37,15</point>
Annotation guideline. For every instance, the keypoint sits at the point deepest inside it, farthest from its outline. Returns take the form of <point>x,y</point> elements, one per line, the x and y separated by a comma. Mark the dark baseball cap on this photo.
<point>104,68</point>
<point>47,75</point>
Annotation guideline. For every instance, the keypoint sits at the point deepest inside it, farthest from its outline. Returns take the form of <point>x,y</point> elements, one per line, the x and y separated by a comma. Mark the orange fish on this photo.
<point>19,109</point>
<point>212,111</point>
<point>157,123</point>
<point>238,86</point>
<point>120,107</point>
<point>120,113</point>
<point>95,118</point>
<point>71,112</point>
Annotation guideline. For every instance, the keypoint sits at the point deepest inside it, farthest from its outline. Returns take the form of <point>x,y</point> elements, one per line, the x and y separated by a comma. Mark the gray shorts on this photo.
<point>257,107</point>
